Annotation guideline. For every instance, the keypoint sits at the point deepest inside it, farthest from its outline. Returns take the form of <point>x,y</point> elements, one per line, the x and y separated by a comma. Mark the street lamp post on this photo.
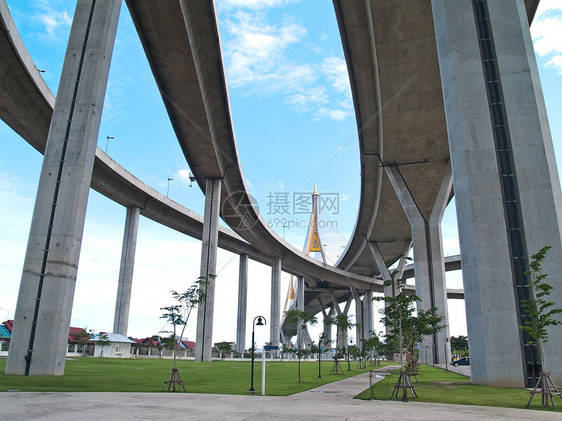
<point>320,341</point>
<point>168,189</point>
<point>348,362</point>
<point>107,143</point>
<point>261,322</point>
<point>445,355</point>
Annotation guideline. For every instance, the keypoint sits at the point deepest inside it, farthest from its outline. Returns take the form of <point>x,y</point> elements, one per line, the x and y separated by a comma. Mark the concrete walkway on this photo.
<point>329,402</point>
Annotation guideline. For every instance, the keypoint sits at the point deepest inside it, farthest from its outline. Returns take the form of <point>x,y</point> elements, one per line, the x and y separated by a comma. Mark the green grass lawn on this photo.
<point>440,386</point>
<point>149,375</point>
<point>233,377</point>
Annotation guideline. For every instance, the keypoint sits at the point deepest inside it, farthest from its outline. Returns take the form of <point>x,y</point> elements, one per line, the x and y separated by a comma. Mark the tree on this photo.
<point>343,323</point>
<point>302,319</point>
<point>540,316</point>
<point>459,346</point>
<point>400,317</point>
<point>102,340</point>
<point>406,328</point>
<point>224,347</point>
<point>373,345</point>
<point>82,337</point>
<point>178,315</point>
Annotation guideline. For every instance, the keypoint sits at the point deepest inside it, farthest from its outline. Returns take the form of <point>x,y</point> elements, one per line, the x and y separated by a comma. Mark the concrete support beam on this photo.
<point>437,261</point>
<point>208,271</point>
<point>359,322</point>
<point>424,265</point>
<point>300,293</point>
<point>389,291</point>
<point>327,325</point>
<point>275,315</point>
<point>498,354</point>
<point>42,318</point>
<point>341,332</point>
<point>300,307</point>
<point>242,304</point>
<point>367,314</point>
<point>125,284</point>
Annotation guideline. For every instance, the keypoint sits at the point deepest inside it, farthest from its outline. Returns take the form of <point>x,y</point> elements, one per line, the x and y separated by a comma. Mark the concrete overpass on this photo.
<point>27,98</point>
<point>208,141</point>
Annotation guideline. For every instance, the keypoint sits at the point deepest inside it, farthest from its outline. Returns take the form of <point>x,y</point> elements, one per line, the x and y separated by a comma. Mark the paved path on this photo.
<point>329,402</point>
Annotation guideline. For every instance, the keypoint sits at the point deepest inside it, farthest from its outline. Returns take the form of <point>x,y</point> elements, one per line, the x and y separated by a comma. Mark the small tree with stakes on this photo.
<point>178,315</point>
<point>302,319</point>
<point>406,330</point>
<point>539,317</point>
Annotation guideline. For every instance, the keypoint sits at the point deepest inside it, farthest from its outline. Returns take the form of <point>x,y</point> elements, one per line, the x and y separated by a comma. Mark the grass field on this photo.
<point>148,375</point>
<point>440,386</point>
<point>233,377</point>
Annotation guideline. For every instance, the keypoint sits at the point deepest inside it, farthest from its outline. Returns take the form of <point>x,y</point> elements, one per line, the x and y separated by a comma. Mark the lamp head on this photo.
<point>260,321</point>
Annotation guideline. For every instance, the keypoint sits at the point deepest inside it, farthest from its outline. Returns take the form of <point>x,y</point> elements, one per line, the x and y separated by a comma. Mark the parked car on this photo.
<point>461,361</point>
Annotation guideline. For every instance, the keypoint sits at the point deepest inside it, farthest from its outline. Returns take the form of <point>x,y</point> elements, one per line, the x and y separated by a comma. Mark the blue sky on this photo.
<point>294,124</point>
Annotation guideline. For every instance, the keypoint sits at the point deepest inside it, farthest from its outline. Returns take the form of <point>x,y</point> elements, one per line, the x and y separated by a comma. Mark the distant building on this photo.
<point>184,344</point>
<point>119,346</point>
<point>147,346</point>
<point>5,335</point>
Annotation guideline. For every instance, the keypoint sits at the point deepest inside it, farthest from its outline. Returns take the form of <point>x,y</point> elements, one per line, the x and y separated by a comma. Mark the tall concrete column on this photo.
<point>300,307</point>
<point>438,266</point>
<point>367,314</point>
<point>503,164</point>
<point>275,315</point>
<point>424,265</point>
<point>341,332</point>
<point>327,327</point>
<point>125,284</point>
<point>208,271</point>
<point>242,304</point>
<point>389,290</point>
<point>359,322</point>
<point>42,318</point>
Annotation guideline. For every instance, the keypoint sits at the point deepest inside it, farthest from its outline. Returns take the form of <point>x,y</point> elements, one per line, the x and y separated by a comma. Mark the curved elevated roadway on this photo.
<point>26,105</point>
<point>182,44</point>
<point>391,55</point>
<point>181,41</point>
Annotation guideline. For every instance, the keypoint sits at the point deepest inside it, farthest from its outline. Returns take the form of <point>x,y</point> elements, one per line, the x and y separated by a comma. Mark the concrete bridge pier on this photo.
<point>300,307</point>
<point>341,332</point>
<point>42,318</point>
<point>367,314</point>
<point>389,290</point>
<point>242,304</point>
<point>125,284</point>
<point>429,267</point>
<point>327,327</point>
<point>507,188</point>
<point>275,310</point>
<point>363,315</point>
<point>208,271</point>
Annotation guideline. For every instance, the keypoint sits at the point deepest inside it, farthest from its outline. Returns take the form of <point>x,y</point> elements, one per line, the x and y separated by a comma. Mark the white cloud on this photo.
<point>332,114</point>
<point>335,70</point>
<point>253,4</point>
<point>257,51</point>
<point>555,63</point>
<point>546,31</point>
<point>183,175</point>
<point>304,99</point>
<point>54,20</point>
<point>265,58</point>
